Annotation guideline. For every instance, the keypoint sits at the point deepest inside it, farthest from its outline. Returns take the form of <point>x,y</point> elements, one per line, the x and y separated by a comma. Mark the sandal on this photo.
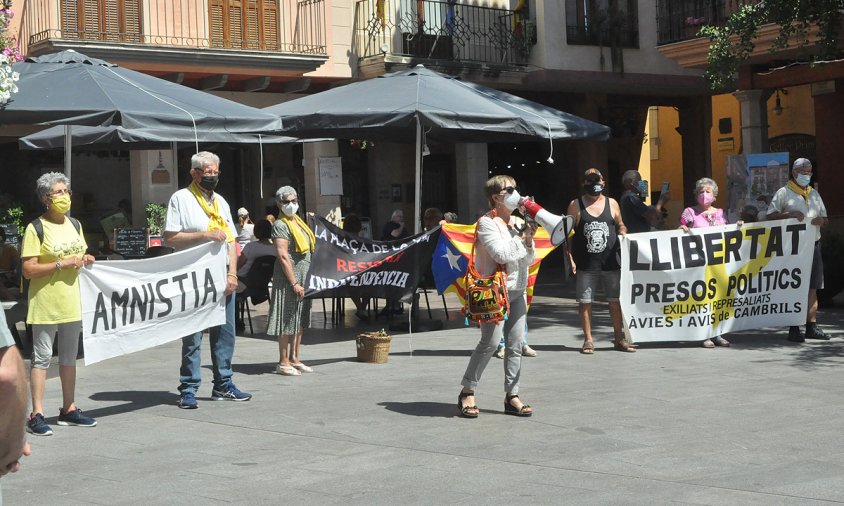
<point>509,409</point>
<point>302,367</point>
<point>623,345</point>
<point>588,347</point>
<point>466,411</point>
<point>720,341</point>
<point>708,344</point>
<point>286,370</point>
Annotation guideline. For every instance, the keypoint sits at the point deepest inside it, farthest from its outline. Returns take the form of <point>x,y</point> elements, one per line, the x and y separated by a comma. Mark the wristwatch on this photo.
<point>58,265</point>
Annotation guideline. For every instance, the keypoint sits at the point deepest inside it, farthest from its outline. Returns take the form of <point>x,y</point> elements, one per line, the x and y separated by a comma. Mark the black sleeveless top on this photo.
<point>595,241</point>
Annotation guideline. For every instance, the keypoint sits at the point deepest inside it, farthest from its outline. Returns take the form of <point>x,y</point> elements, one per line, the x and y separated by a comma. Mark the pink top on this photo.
<point>695,219</point>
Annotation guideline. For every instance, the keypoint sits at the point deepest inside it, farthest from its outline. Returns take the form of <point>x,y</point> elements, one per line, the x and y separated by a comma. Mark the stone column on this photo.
<point>754,121</point>
<point>314,202</point>
<point>472,171</point>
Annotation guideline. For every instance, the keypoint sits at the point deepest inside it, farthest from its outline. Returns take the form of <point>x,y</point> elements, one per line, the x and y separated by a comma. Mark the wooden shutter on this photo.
<point>70,19</point>
<point>235,23</point>
<point>269,25</point>
<point>217,16</point>
<point>130,20</point>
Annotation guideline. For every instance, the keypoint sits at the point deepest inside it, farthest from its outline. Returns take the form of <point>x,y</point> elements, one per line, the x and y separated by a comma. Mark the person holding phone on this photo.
<point>638,216</point>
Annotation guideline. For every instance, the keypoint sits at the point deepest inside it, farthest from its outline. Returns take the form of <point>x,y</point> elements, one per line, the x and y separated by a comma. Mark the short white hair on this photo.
<point>284,192</point>
<point>705,181</point>
<point>204,158</point>
<point>800,163</point>
<point>44,184</point>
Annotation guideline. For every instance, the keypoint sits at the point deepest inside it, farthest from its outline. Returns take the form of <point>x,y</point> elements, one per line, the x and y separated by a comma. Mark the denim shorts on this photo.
<point>587,282</point>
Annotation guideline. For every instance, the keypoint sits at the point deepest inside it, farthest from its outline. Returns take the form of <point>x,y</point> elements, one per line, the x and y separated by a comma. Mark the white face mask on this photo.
<point>803,179</point>
<point>511,200</point>
<point>290,209</point>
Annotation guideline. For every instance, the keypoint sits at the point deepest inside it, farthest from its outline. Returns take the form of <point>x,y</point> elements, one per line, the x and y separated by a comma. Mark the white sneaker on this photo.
<point>499,353</point>
<point>527,351</point>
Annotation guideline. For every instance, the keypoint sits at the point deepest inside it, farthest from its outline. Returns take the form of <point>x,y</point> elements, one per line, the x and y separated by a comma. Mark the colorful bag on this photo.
<point>486,296</point>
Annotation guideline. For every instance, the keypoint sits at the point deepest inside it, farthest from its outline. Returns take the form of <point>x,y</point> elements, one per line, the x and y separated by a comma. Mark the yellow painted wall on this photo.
<point>662,160</point>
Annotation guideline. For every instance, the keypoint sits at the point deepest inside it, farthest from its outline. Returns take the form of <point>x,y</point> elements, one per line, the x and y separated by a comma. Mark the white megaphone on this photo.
<point>558,227</point>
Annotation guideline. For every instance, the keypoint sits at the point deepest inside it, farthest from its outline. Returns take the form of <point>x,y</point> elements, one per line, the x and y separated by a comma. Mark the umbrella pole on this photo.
<point>418,180</point>
<point>68,136</point>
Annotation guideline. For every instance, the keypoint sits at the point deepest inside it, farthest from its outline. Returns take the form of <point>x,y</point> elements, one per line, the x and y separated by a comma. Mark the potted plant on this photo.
<point>156,216</point>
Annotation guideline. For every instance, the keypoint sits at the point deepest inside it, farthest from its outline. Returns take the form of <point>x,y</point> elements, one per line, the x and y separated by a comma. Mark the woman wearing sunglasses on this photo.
<point>502,240</point>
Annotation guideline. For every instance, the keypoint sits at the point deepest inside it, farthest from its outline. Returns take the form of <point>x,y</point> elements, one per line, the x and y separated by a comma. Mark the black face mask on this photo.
<point>593,189</point>
<point>209,182</point>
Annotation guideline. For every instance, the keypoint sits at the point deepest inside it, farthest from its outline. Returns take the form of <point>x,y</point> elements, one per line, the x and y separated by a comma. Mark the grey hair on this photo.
<point>396,213</point>
<point>705,181</point>
<point>283,193</point>
<point>204,158</point>
<point>801,162</point>
<point>45,183</point>
<point>628,177</point>
<point>450,217</point>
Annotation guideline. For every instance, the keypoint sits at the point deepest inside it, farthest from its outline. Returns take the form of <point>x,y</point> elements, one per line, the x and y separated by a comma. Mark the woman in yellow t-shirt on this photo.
<point>51,262</point>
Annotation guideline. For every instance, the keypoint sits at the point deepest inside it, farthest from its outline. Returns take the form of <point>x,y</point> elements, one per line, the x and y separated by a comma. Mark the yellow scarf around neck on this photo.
<point>804,192</point>
<point>217,222</point>
<point>303,238</point>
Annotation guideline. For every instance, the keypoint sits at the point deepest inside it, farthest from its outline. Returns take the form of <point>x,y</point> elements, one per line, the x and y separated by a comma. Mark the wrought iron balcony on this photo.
<point>679,20</point>
<point>282,26</point>
<point>442,30</point>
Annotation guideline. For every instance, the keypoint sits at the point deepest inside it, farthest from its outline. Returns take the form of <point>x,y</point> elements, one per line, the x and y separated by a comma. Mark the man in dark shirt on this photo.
<point>637,216</point>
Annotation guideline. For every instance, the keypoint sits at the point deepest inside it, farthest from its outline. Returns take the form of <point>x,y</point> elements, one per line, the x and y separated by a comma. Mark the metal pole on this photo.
<point>68,141</point>
<point>417,215</point>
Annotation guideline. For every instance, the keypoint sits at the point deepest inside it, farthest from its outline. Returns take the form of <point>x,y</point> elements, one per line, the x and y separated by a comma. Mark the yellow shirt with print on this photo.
<point>54,298</point>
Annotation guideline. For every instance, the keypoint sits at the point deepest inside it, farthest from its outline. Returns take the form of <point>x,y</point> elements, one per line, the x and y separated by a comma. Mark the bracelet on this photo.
<point>58,265</point>
<point>230,275</point>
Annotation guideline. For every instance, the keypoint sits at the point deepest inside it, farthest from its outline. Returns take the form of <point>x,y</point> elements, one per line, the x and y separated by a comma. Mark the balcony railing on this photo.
<point>286,26</point>
<point>443,30</point>
<point>682,19</point>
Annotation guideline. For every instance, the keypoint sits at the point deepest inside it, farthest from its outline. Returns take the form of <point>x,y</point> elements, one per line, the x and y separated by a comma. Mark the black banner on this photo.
<point>346,265</point>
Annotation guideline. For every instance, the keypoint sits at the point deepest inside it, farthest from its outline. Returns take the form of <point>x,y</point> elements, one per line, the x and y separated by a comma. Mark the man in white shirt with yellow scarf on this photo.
<point>195,215</point>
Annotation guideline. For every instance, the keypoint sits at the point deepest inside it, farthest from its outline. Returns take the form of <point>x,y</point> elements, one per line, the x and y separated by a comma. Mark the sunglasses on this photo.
<point>509,189</point>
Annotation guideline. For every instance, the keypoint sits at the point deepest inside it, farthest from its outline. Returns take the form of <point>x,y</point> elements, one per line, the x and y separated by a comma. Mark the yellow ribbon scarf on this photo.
<point>217,221</point>
<point>804,192</point>
<point>300,232</point>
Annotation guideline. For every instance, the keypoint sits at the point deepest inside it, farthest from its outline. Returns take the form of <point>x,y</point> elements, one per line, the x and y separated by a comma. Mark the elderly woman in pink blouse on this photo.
<point>704,214</point>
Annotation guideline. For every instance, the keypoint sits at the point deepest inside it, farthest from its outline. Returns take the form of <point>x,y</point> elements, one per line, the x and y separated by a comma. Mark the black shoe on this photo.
<point>795,336</point>
<point>814,332</point>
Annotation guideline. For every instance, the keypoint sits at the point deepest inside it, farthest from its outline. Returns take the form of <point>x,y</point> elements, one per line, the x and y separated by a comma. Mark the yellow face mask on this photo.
<point>60,204</point>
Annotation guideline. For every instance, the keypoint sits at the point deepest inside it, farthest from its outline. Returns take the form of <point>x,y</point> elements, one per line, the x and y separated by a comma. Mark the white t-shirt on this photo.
<point>252,251</point>
<point>246,234</point>
<point>184,214</point>
<point>786,200</point>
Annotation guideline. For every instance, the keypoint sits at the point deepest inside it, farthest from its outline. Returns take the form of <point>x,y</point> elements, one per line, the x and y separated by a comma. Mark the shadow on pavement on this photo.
<point>269,367</point>
<point>429,409</point>
<point>135,400</point>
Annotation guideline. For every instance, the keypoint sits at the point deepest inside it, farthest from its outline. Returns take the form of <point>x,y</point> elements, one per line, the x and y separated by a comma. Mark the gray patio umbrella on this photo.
<point>69,88</point>
<point>138,138</point>
<point>409,105</point>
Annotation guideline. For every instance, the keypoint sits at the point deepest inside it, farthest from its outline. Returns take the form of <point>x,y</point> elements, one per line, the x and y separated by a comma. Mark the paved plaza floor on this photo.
<point>758,423</point>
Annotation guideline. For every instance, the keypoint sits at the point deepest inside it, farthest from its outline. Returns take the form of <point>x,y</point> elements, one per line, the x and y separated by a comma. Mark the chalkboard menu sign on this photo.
<point>130,242</point>
<point>11,234</point>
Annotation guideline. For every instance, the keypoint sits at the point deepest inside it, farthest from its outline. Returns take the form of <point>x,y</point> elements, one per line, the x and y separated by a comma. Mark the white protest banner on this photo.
<point>132,305</point>
<point>688,286</point>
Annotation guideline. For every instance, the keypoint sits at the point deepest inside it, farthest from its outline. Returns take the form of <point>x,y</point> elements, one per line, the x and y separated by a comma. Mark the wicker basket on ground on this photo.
<point>373,347</point>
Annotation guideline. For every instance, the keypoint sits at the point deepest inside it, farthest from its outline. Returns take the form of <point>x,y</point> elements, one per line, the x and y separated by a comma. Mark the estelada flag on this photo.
<point>451,258</point>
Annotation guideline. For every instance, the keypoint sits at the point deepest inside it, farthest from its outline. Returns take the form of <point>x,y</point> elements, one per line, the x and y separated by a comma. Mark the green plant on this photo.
<point>11,211</point>
<point>156,216</point>
<point>731,44</point>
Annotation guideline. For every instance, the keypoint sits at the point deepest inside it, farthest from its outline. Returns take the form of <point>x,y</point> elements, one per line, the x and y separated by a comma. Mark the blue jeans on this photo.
<point>222,350</point>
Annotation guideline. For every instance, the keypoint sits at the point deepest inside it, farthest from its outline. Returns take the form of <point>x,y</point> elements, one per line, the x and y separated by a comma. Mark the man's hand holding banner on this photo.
<point>678,286</point>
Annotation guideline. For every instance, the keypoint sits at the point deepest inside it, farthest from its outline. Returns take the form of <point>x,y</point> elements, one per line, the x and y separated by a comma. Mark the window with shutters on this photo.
<point>112,20</point>
<point>244,24</point>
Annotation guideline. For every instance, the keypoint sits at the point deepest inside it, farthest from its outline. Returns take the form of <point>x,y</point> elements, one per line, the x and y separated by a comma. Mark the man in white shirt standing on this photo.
<point>797,199</point>
<point>196,215</point>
